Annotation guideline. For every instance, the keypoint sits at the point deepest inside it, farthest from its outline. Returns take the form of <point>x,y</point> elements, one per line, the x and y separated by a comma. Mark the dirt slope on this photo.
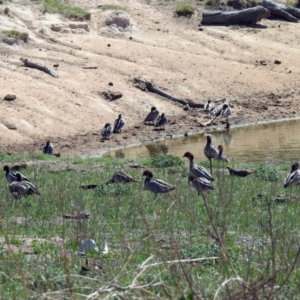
<point>171,52</point>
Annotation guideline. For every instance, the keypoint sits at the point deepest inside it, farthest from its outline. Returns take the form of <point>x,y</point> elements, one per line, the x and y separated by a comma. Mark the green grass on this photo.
<point>184,9</point>
<point>16,34</point>
<point>238,230</point>
<point>112,7</point>
<point>72,12</point>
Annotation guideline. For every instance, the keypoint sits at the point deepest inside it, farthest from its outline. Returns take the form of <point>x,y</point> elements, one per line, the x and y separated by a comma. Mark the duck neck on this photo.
<point>147,180</point>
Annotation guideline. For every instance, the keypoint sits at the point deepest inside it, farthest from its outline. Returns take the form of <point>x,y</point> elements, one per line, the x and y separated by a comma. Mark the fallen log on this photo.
<point>148,86</point>
<point>289,13</point>
<point>31,64</point>
<point>249,16</point>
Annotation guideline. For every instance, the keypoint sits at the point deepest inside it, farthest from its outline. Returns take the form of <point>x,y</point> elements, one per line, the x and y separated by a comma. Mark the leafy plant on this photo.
<point>267,173</point>
<point>184,9</point>
<point>163,161</point>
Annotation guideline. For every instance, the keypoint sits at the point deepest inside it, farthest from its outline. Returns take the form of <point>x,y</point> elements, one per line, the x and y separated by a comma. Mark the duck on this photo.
<point>200,184</point>
<point>161,121</point>
<point>121,177</point>
<point>106,131</point>
<point>209,107</point>
<point>119,124</point>
<point>156,186</point>
<point>21,188</point>
<point>239,172</point>
<point>12,176</point>
<point>196,170</point>
<point>210,151</point>
<point>223,110</point>
<point>293,177</point>
<point>220,156</point>
<point>48,148</point>
<point>152,116</point>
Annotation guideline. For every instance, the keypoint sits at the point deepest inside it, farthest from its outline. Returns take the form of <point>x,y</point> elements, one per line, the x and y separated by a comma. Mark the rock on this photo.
<point>109,95</point>
<point>186,107</point>
<point>9,97</point>
<point>110,83</point>
<point>119,18</point>
<point>277,62</point>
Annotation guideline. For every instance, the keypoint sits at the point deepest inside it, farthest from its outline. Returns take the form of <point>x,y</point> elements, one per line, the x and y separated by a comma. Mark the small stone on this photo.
<point>186,134</point>
<point>277,62</point>
<point>9,97</point>
<point>110,83</point>
<point>108,45</point>
<point>56,65</point>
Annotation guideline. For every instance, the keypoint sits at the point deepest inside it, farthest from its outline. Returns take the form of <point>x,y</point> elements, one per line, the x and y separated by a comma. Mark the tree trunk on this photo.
<point>247,16</point>
<point>289,13</point>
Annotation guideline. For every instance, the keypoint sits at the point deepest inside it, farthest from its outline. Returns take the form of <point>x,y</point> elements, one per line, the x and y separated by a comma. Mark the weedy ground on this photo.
<point>241,241</point>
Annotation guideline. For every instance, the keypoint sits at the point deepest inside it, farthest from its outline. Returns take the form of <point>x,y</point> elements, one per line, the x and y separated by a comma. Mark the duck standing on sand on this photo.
<point>119,124</point>
<point>210,151</point>
<point>12,176</point>
<point>293,177</point>
<point>156,186</point>
<point>209,107</point>
<point>161,121</point>
<point>152,116</point>
<point>200,184</point>
<point>223,110</point>
<point>106,131</point>
<point>21,188</point>
<point>196,170</point>
<point>220,156</point>
<point>48,148</point>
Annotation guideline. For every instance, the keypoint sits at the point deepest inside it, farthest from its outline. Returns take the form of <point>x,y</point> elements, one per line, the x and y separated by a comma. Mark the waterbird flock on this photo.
<point>199,177</point>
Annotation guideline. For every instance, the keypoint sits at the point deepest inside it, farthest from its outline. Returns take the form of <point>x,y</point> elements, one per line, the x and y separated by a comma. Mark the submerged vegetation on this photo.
<point>239,241</point>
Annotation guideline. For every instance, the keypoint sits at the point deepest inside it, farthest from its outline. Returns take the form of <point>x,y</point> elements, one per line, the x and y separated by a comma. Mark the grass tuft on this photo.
<point>112,7</point>
<point>15,34</point>
<point>72,12</point>
<point>184,9</point>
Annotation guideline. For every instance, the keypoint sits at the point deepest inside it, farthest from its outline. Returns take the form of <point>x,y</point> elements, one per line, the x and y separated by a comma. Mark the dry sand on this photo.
<point>171,52</point>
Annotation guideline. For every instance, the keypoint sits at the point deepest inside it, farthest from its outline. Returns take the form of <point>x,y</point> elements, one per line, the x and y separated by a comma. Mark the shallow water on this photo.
<point>274,142</point>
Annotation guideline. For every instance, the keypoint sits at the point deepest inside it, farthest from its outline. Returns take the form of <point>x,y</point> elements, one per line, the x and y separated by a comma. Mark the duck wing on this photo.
<point>152,116</point>
<point>202,184</point>
<point>122,177</point>
<point>159,186</point>
<point>292,178</point>
<point>199,171</point>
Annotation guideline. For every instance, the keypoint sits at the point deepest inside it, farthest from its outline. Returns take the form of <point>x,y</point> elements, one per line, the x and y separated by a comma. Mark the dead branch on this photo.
<point>145,85</point>
<point>31,64</point>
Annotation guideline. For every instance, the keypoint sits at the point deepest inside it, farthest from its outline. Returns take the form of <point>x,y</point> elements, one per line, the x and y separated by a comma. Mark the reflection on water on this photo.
<point>276,142</point>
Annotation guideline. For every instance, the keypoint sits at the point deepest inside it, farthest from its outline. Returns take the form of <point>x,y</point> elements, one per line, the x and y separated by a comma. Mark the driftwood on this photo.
<point>148,86</point>
<point>31,64</point>
<point>289,13</point>
<point>249,16</point>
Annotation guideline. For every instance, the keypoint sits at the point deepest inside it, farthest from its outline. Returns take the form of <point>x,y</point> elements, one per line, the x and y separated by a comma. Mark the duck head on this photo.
<point>19,178</point>
<point>6,169</point>
<point>120,116</point>
<point>148,174</point>
<point>189,155</point>
<point>208,139</point>
<point>153,108</point>
<point>295,167</point>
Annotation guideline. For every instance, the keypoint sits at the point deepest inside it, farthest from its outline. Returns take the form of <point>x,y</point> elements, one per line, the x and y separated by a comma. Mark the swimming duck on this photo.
<point>196,170</point>
<point>48,148</point>
<point>161,121</point>
<point>293,177</point>
<point>220,156</point>
<point>157,186</point>
<point>12,176</point>
<point>200,184</point>
<point>121,177</point>
<point>152,116</point>
<point>209,107</point>
<point>210,151</point>
<point>106,131</point>
<point>119,124</point>
<point>21,188</point>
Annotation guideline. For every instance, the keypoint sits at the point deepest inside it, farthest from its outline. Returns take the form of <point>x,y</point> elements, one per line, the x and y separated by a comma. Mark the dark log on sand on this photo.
<point>31,64</point>
<point>249,16</point>
<point>148,86</point>
<point>289,13</point>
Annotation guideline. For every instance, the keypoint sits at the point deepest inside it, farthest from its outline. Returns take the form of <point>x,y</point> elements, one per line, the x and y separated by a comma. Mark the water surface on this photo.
<point>274,142</point>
